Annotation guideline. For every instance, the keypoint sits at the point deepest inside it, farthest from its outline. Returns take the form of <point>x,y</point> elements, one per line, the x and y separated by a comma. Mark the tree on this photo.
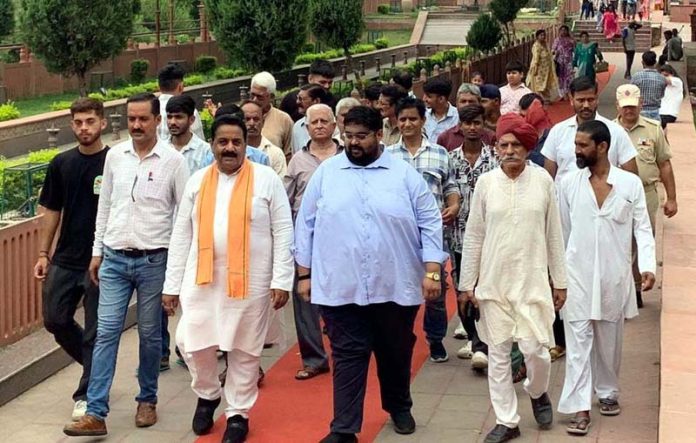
<point>339,24</point>
<point>259,35</point>
<point>6,17</point>
<point>505,11</point>
<point>484,34</point>
<point>72,36</point>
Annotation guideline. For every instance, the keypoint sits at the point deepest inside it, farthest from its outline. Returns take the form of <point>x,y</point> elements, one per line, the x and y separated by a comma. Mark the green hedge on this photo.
<point>304,59</point>
<point>13,192</point>
<point>8,111</point>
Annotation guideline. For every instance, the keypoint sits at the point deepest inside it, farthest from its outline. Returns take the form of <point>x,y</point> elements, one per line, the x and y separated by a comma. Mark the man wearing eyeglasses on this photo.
<point>143,183</point>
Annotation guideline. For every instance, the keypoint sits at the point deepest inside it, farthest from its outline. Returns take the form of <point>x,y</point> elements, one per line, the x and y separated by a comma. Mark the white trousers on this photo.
<point>500,386</point>
<point>240,389</point>
<point>593,353</point>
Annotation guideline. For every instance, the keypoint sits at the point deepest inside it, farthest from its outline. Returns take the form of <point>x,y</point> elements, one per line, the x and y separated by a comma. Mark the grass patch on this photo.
<point>395,38</point>
<point>38,105</point>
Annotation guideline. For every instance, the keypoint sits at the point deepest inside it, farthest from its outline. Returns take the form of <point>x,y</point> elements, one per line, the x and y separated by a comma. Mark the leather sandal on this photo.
<point>609,407</point>
<point>579,425</point>
<point>309,372</point>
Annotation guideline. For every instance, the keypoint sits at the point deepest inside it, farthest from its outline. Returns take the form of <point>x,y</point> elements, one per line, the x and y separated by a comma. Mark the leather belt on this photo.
<point>135,253</point>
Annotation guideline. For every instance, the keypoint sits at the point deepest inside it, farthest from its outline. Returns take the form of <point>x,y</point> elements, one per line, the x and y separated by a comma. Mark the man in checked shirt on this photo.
<point>433,163</point>
<point>652,86</point>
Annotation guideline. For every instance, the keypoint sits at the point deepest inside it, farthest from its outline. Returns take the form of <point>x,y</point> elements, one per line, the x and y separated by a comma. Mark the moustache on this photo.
<point>229,154</point>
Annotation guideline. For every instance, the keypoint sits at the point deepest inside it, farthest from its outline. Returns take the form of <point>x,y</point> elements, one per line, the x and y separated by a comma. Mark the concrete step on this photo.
<point>446,31</point>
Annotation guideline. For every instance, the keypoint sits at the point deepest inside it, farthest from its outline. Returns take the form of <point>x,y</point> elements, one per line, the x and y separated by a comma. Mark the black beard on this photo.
<point>364,160</point>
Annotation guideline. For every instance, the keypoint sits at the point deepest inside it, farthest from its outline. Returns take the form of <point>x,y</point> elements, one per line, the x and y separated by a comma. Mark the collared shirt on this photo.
<point>277,128</point>
<point>197,153</point>
<point>510,98</point>
<point>652,87</point>
<point>560,145</point>
<point>674,95</point>
<point>599,245</point>
<point>300,134</point>
<point>390,134</point>
<point>653,149</point>
<point>254,154</point>
<point>453,138</point>
<point>433,163</point>
<point>365,232</point>
<point>466,176</point>
<point>434,127</point>
<point>300,169</point>
<point>139,197</point>
<point>275,156</point>
<point>163,129</point>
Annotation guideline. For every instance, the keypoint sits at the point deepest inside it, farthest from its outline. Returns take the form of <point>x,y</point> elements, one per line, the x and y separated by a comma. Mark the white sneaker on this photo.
<point>79,410</point>
<point>460,332</point>
<point>479,360</point>
<point>465,351</point>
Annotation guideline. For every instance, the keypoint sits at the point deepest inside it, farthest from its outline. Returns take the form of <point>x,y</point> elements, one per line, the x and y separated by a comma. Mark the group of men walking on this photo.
<point>358,233</point>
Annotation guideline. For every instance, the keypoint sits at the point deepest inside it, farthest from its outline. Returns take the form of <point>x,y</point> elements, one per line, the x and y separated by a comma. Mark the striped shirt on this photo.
<point>433,163</point>
<point>197,153</point>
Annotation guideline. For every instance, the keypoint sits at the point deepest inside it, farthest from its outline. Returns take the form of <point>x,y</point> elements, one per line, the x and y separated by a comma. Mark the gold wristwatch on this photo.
<point>434,276</point>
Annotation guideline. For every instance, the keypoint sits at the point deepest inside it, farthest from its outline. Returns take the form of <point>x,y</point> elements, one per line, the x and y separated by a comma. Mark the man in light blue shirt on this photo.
<point>370,280</point>
<point>441,115</point>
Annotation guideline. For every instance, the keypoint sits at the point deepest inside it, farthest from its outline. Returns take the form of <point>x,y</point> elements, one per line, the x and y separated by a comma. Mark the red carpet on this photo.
<point>290,411</point>
<point>560,111</point>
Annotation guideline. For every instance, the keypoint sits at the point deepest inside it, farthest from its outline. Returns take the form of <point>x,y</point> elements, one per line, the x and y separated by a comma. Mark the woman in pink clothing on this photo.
<point>611,23</point>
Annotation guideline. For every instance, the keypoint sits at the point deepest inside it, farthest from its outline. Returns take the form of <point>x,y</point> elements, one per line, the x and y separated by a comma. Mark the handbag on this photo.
<point>602,66</point>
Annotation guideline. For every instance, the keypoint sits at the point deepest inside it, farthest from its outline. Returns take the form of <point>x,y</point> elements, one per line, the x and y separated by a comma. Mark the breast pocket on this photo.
<point>621,211</point>
<point>647,153</point>
<point>156,189</point>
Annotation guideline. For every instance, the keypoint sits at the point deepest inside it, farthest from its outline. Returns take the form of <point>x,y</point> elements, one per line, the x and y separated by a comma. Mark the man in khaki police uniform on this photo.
<point>653,157</point>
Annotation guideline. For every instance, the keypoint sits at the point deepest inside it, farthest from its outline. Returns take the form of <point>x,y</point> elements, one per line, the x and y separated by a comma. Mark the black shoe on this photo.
<point>438,353</point>
<point>543,411</point>
<point>164,364</point>
<point>203,418</point>
<point>336,437</point>
<point>237,429</point>
<point>502,433</point>
<point>262,375</point>
<point>639,299</point>
<point>403,422</point>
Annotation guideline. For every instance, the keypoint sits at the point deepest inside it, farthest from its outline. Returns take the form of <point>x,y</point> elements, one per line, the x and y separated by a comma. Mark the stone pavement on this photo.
<point>451,402</point>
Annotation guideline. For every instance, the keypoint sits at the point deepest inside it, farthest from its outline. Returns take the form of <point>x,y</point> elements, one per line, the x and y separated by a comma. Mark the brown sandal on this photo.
<point>579,425</point>
<point>609,407</point>
<point>310,372</point>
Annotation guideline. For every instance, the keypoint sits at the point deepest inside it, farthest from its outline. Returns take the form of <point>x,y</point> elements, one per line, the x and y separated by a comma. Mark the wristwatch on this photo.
<point>434,276</point>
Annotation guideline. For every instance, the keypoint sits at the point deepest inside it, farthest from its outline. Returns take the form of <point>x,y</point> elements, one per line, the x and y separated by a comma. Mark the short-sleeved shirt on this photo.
<point>390,134</point>
<point>510,98</point>
<point>197,153</point>
<point>434,127</point>
<point>72,186</point>
<point>653,149</point>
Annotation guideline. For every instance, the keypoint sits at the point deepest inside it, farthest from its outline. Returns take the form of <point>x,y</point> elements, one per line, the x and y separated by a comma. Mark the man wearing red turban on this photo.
<point>512,242</point>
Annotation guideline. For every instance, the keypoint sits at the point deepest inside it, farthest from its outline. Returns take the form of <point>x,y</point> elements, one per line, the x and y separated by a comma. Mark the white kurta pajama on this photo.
<point>512,242</point>
<point>212,320</point>
<point>601,291</point>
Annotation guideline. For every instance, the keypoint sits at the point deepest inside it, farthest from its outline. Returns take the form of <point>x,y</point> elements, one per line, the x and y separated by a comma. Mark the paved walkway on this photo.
<point>451,402</point>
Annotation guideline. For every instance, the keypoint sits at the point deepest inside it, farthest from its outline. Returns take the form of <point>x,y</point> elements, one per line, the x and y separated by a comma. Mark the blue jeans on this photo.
<point>119,276</point>
<point>654,115</point>
<point>435,318</point>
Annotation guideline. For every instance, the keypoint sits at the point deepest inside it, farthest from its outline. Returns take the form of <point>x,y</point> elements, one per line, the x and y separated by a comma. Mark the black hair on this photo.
<point>597,130</point>
<point>438,86</point>
<point>316,92</point>
<point>372,91</point>
<point>649,58</point>
<point>229,109</point>
<point>322,68</point>
<point>584,33</point>
<point>475,73</point>
<point>539,32</point>
<point>403,79</point>
<point>583,83</point>
<point>228,119</point>
<point>675,31</point>
<point>527,100</point>
<point>169,77</point>
<point>470,112</point>
<point>144,98</point>
<point>411,103</point>
<point>515,65</point>
<point>564,27</point>
<point>394,93</point>
<point>668,34</point>
<point>365,116</point>
<point>181,103</point>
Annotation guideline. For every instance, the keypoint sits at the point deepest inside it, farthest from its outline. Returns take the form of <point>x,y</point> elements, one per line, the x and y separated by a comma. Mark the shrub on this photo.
<point>8,111</point>
<point>194,79</point>
<point>207,121</point>
<point>381,43</point>
<point>205,64</point>
<point>13,192</point>
<point>383,9</point>
<point>182,39</point>
<point>333,53</point>
<point>484,34</point>
<point>221,73</point>
<point>59,106</point>
<point>139,69</point>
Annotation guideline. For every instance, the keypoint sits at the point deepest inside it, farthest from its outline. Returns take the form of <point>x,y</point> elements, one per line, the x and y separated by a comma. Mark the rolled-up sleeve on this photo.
<point>428,218</point>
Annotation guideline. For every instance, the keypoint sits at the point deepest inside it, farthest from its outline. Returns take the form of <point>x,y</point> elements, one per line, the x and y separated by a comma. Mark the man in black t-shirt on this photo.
<point>69,198</point>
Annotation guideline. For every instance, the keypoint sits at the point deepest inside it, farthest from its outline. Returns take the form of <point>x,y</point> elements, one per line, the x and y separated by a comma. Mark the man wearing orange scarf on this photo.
<point>229,264</point>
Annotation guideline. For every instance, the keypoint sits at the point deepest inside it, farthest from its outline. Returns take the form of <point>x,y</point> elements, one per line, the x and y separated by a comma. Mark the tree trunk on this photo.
<point>82,83</point>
